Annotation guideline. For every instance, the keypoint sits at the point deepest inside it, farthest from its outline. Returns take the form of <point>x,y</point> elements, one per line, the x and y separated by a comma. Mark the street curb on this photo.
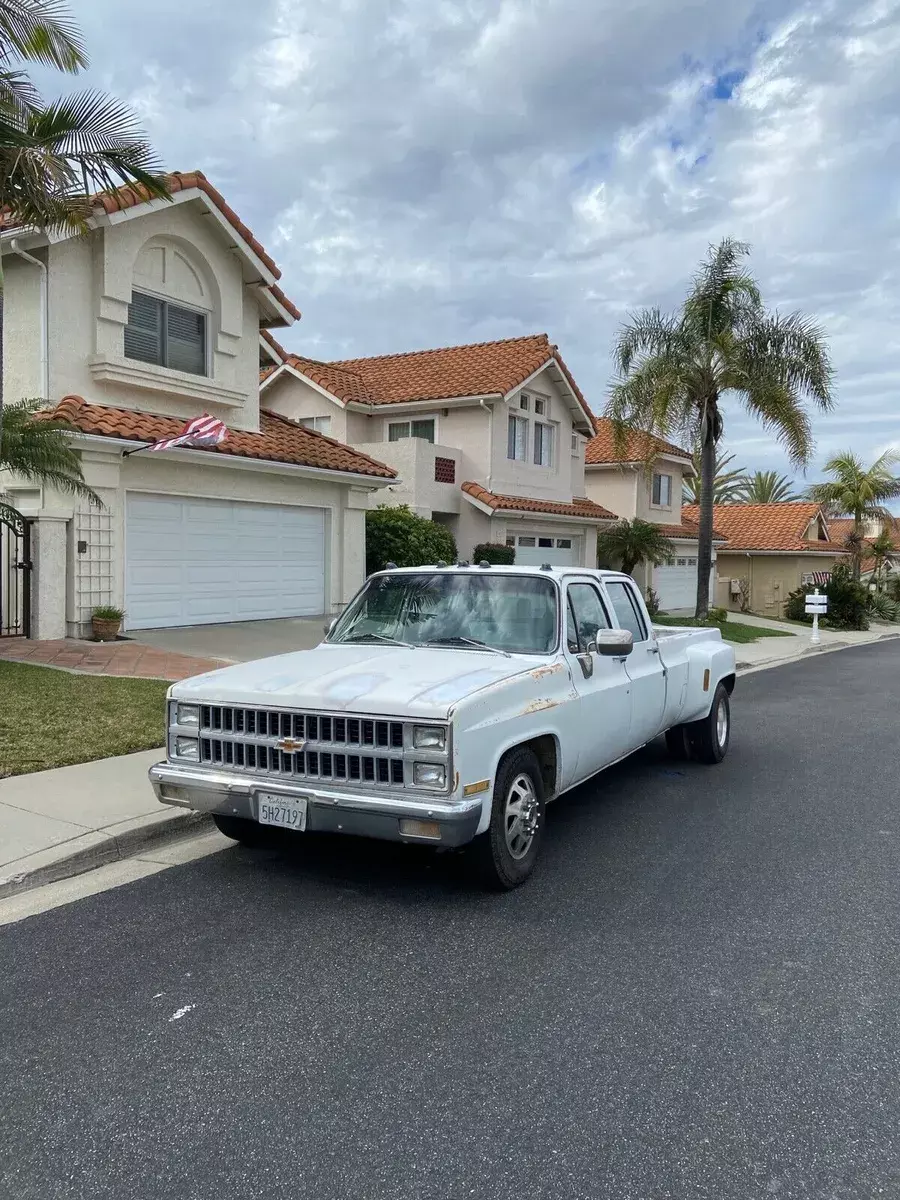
<point>96,849</point>
<point>743,668</point>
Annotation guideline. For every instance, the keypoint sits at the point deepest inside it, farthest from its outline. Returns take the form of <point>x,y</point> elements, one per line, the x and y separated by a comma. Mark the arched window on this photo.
<point>169,317</point>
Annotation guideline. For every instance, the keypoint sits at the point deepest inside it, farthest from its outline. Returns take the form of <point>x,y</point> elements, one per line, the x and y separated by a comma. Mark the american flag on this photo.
<point>820,577</point>
<point>201,431</point>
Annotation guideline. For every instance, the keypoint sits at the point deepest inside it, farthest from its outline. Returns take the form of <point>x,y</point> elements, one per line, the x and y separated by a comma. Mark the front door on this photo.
<point>603,686</point>
<point>643,664</point>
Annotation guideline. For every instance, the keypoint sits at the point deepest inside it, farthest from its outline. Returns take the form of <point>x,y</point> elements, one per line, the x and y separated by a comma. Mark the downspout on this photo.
<point>45,332</point>
<point>490,412</point>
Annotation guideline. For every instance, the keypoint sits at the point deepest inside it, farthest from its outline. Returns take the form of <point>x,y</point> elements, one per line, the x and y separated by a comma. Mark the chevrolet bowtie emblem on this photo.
<point>289,745</point>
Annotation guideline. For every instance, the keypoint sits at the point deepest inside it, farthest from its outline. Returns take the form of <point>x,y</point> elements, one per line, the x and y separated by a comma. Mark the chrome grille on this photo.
<point>334,748</point>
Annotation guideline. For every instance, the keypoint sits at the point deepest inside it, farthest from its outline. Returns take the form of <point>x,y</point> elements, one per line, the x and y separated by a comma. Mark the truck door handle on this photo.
<point>653,649</point>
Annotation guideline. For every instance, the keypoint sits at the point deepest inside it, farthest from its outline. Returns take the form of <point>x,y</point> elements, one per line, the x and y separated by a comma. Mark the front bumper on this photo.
<point>376,816</point>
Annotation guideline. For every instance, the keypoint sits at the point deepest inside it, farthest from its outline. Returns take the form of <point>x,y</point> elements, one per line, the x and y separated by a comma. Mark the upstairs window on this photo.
<point>543,444</point>
<point>319,424</point>
<point>662,490</point>
<point>517,439</point>
<point>166,334</point>
<point>398,430</point>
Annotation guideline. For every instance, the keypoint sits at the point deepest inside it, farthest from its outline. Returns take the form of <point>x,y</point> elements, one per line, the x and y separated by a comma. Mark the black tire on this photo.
<point>239,829</point>
<point>499,867</point>
<point>678,743</point>
<point>710,736</point>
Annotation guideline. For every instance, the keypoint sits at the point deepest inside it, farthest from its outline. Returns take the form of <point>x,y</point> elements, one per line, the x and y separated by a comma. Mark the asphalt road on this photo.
<point>695,997</point>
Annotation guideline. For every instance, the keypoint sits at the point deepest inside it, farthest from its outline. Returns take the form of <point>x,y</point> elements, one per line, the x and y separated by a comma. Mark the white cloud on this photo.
<point>463,169</point>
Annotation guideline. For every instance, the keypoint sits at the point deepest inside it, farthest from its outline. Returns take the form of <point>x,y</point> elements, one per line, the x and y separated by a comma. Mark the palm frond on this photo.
<point>39,450</point>
<point>41,31</point>
<point>629,543</point>
<point>767,487</point>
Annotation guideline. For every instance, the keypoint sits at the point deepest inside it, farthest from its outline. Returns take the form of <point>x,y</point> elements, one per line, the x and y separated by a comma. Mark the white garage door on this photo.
<point>676,585</point>
<point>198,562</point>
<point>533,550</point>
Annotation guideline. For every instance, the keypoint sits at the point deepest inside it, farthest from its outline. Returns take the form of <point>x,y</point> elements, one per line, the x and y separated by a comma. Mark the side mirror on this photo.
<point>613,643</point>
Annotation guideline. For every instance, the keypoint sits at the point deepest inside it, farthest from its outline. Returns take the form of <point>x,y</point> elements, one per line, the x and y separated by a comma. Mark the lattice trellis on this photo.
<point>93,568</point>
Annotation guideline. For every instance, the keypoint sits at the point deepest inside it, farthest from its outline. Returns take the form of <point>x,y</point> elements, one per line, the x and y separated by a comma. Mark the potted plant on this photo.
<point>106,621</point>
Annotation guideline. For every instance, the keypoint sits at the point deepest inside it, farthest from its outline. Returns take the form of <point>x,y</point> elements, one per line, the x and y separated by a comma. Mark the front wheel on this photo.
<point>507,851</point>
<point>710,735</point>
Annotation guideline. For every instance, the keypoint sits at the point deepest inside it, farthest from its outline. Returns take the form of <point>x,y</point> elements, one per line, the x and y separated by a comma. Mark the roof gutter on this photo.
<point>16,248</point>
<point>239,462</point>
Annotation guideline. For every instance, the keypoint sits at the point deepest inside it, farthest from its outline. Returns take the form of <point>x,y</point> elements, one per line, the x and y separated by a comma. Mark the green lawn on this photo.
<point>52,719</point>
<point>732,631</point>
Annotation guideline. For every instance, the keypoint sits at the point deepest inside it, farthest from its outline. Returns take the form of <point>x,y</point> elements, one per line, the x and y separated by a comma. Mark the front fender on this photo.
<point>718,659</point>
<point>494,720</point>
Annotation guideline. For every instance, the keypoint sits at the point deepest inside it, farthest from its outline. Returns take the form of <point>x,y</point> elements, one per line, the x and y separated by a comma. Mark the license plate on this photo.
<point>287,812</point>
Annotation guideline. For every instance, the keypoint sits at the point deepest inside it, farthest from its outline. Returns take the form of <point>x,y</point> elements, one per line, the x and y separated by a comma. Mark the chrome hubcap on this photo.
<point>721,722</point>
<point>520,816</point>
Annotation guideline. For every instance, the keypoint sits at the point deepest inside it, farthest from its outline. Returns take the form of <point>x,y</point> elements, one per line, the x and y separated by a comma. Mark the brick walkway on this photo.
<point>106,658</point>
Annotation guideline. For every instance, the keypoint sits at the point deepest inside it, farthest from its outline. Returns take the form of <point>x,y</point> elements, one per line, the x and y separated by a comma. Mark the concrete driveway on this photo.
<point>239,641</point>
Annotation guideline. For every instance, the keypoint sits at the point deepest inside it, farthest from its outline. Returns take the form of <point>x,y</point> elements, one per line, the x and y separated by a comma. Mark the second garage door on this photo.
<point>202,562</point>
<point>533,550</point>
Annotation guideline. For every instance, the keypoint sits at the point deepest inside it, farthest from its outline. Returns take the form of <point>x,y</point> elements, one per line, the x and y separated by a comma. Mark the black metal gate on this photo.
<point>15,573</point>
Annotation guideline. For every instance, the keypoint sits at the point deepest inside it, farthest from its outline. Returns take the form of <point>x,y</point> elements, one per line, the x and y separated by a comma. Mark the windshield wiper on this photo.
<point>379,637</point>
<point>465,641</point>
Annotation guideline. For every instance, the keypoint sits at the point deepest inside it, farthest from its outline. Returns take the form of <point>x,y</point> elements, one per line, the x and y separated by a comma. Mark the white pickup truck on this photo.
<point>447,705</point>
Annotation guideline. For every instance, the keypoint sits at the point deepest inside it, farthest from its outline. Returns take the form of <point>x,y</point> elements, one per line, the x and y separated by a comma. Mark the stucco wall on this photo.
<point>293,398</point>
<point>660,514</point>
<point>614,488</point>
<point>21,329</point>
<point>772,577</point>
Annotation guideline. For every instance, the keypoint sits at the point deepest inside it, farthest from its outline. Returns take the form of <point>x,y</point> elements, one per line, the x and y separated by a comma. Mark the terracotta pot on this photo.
<point>105,630</point>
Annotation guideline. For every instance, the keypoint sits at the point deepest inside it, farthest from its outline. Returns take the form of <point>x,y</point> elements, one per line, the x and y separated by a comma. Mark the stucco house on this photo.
<point>775,548</point>
<point>841,527</point>
<point>644,480</point>
<point>488,439</point>
<point>152,318</point>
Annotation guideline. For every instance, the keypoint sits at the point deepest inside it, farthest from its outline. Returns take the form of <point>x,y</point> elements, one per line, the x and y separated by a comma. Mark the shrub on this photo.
<point>652,602</point>
<point>397,535</point>
<point>495,553</point>
<point>848,602</point>
<point>107,612</point>
<point>718,616</point>
<point>883,607</point>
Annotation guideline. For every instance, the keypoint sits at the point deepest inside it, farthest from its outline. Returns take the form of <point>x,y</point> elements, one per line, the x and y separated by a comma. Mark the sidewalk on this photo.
<point>58,823</point>
<point>771,652</point>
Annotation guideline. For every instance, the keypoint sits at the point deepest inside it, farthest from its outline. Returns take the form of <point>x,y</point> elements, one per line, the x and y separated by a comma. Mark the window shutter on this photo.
<point>185,340</point>
<point>143,333</point>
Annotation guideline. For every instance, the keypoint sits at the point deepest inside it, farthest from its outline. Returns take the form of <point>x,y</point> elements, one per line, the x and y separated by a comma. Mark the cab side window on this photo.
<point>625,606</point>
<point>586,616</point>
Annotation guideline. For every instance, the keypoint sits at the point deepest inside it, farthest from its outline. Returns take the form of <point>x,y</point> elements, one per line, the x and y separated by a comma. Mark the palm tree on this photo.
<point>767,487</point>
<point>633,542</point>
<point>726,483</point>
<point>881,550</point>
<point>673,371</point>
<point>38,449</point>
<point>53,157</point>
<point>857,490</point>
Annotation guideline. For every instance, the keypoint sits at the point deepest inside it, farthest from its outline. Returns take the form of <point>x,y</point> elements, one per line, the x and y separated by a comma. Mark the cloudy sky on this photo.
<point>437,171</point>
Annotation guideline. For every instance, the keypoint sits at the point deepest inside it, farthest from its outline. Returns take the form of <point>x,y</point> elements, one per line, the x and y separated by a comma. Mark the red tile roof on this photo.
<point>765,526</point>
<point>639,447</point>
<point>129,197</point>
<point>585,509</point>
<point>279,440</point>
<point>686,532</point>
<point>482,369</point>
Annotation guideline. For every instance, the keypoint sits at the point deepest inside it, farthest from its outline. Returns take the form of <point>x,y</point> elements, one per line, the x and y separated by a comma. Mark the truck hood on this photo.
<point>379,680</point>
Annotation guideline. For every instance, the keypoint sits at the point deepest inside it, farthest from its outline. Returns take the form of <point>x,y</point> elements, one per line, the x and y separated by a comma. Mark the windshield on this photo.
<point>512,613</point>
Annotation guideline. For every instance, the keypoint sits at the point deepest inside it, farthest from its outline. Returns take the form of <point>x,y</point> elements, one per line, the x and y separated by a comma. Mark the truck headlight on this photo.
<point>187,714</point>
<point>429,737</point>
<point>429,774</point>
<point>188,748</point>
